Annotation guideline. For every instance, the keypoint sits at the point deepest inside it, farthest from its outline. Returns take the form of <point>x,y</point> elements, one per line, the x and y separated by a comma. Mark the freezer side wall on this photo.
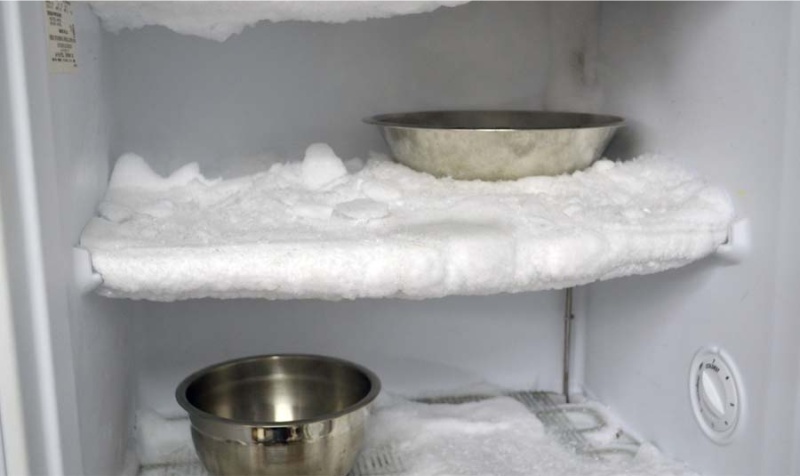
<point>705,82</point>
<point>99,327</point>
<point>278,87</point>
<point>37,205</point>
<point>783,404</point>
<point>21,401</point>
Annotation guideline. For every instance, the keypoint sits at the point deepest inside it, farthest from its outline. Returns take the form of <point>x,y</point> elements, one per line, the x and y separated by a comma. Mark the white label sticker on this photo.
<point>61,45</point>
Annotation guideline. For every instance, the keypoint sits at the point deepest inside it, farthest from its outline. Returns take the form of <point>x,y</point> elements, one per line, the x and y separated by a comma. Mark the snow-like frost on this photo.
<point>493,437</point>
<point>311,229</point>
<point>220,20</point>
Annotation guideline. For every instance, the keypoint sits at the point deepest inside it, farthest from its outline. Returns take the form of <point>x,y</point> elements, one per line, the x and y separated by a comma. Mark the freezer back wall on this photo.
<point>266,94</point>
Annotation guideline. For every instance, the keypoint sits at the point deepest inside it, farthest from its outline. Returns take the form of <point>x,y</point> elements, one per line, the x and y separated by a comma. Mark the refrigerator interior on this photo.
<point>716,85</point>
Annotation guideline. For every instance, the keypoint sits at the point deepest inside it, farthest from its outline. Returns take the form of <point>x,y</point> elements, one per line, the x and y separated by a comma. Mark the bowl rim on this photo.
<point>193,411</point>
<point>392,120</point>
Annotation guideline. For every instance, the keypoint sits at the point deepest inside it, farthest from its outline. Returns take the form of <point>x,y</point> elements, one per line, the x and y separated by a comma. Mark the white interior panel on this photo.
<point>31,238</point>
<point>415,347</point>
<point>2,455</point>
<point>278,87</point>
<point>705,82</point>
<point>783,404</point>
<point>98,327</point>
<point>12,412</point>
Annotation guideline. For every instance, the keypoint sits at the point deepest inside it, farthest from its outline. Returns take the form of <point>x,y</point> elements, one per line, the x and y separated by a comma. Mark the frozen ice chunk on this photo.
<point>187,174</point>
<point>603,165</point>
<point>321,166</point>
<point>362,209</point>
<point>114,212</point>
<point>381,191</point>
<point>131,171</point>
<point>354,165</point>
<point>310,209</point>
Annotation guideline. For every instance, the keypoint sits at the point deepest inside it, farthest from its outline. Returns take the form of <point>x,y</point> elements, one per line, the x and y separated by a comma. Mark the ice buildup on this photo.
<point>310,229</point>
<point>321,166</point>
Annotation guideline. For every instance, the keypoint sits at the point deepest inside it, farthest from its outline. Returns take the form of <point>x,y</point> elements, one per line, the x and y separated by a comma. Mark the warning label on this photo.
<point>61,45</point>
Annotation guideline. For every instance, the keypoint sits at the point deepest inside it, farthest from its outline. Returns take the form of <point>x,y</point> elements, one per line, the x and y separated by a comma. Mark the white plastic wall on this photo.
<point>782,419</point>
<point>72,347</point>
<point>2,453</point>
<point>708,83</point>
<point>99,327</point>
<point>278,87</point>
<point>30,227</point>
<point>12,415</point>
<point>415,346</point>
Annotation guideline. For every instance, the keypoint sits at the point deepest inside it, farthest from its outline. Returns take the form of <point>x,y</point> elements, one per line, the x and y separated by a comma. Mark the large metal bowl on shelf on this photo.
<point>496,145</point>
<point>279,414</point>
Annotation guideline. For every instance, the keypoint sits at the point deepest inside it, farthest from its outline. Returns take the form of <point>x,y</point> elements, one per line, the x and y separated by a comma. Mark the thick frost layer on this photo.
<point>163,441</point>
<point>301,231</point>
<point>498,437</point>
<point>220,20</point>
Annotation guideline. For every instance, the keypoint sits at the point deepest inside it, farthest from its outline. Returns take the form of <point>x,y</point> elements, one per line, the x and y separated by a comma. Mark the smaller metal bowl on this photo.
<point>279,415</point>
<point>496,145</point>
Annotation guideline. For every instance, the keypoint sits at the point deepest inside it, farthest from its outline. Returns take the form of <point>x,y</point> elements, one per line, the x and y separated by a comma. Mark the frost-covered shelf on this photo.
<point>511,433</point>
<point>321,228</point>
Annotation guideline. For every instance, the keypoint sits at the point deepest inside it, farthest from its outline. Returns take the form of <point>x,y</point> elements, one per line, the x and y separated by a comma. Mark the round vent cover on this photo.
<point>717,398</point>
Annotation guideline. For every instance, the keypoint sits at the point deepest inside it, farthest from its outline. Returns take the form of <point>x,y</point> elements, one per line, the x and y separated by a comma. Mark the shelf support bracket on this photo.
<point>568,317</point>
<point>85,277</point>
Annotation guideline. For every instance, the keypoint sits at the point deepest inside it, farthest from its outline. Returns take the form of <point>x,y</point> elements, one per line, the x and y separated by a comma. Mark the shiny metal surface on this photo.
<point>496,145</point>
<point>279,414</point>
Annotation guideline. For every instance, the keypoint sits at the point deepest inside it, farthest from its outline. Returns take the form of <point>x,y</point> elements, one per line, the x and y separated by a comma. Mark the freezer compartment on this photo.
<point>714,84</point>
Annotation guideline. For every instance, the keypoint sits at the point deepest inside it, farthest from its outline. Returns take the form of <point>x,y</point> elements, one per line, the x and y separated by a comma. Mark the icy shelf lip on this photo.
<point>316,229</point>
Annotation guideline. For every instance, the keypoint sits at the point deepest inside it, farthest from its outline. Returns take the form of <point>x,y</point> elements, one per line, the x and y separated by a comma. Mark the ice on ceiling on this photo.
<point>223,19</point>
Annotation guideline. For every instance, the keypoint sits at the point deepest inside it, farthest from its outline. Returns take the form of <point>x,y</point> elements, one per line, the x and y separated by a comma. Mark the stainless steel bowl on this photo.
<point>496,145</point>
<point>279,414</point>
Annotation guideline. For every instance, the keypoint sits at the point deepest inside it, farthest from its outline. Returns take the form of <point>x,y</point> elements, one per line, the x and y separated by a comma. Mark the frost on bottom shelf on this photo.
<point>320,228</point>
<point>493,437</point>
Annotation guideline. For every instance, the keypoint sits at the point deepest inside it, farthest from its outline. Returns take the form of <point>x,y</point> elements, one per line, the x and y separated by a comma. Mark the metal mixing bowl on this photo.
<point>279,414</point>
<point>496,145</point>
